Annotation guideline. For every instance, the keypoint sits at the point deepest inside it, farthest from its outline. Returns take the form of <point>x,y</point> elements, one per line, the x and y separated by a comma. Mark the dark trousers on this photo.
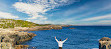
<point>60,47</point>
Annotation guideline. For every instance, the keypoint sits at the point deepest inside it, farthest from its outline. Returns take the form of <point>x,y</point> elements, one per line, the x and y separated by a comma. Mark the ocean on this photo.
<point>82,37</point>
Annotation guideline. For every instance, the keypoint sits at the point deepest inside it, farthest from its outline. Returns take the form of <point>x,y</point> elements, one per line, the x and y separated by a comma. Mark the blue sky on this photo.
<point>76,12</point>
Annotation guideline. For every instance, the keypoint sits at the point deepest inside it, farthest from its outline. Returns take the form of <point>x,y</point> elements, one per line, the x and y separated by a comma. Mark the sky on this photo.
<point>74,12</point>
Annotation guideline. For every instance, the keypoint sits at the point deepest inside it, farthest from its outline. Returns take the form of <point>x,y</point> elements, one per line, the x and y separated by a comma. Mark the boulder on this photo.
<point>105,43</point>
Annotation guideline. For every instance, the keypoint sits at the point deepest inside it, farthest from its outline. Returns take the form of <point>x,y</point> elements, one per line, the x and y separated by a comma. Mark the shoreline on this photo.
<point>37,28</point>
<point>13,37</point>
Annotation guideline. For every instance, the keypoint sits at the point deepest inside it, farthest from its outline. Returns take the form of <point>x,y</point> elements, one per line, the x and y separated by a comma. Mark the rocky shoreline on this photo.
<point>36,28</point>
<point>11,38</point>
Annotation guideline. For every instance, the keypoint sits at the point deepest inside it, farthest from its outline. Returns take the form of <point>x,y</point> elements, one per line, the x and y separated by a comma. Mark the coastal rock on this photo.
<point>56,27</point>
<point>14,38</point>
<point>105,39</point>
<point>71,28</point>
<point>6,45</point>
<point>105,43</point>
<point>48,27</point>
<point>21,46</point>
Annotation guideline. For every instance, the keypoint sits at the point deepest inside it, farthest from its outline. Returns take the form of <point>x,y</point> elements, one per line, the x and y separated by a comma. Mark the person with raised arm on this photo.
<point>60,42</point>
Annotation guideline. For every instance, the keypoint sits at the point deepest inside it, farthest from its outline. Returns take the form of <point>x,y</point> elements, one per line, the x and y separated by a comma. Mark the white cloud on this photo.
<point>28,20</point>
<point>42,22</point>
<point>97,18</point>
<point>33,10</point>
<point>87,6</point>
<point>105,22</point>
<point>7,15</point>
<point>37,8</point>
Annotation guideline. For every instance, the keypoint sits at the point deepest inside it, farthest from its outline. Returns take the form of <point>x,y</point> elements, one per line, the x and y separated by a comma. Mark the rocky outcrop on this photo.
<point>21,46</point>
<point>48,27</point>
<point>71,28</point>
<point>14,38</point>
<point>105,43</point>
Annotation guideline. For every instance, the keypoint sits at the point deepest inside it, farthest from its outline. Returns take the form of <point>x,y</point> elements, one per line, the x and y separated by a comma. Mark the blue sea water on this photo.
<point>83,37</point>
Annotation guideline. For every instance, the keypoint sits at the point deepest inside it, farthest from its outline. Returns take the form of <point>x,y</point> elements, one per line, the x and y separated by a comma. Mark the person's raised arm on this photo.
<point>56,39</point>
<point>65,40</point>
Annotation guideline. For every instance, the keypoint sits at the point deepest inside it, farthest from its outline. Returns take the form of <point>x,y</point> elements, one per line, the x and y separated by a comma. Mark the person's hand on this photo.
<point>55,37</point>
<point>66,38</point>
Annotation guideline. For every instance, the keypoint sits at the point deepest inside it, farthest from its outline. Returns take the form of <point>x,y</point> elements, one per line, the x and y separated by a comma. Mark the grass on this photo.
<point>11,23</point>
